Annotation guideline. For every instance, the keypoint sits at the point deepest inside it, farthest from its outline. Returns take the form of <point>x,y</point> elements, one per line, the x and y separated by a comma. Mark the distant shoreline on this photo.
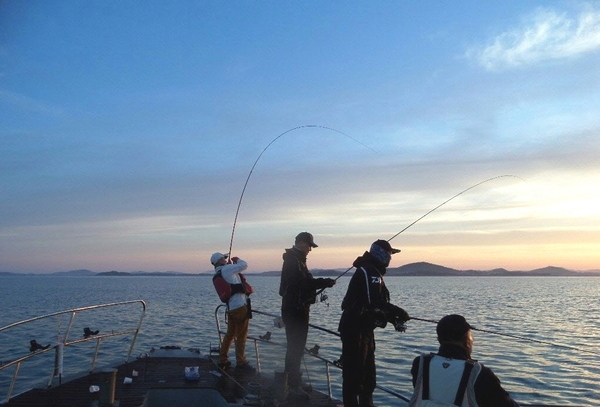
<point>421,269</point>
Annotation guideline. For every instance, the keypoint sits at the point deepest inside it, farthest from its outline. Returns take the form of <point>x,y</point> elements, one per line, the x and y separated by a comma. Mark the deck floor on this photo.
<point>166,373</point>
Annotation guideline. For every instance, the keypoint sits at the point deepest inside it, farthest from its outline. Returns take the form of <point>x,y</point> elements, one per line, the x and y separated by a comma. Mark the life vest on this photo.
<point>225,290</point>
<point>444,382</point>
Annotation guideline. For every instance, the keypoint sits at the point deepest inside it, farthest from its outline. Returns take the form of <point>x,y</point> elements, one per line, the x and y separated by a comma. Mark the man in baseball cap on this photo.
<point>238,310</point>
<point>305,237</point>
<point>452,328</point>
<point>214,259</point>
<point>366,306</point>
<point>298,290</point>
<point>452,374</point>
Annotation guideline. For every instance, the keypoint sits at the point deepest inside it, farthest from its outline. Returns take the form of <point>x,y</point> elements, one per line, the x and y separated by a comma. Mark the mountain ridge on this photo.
<point>417,269</point>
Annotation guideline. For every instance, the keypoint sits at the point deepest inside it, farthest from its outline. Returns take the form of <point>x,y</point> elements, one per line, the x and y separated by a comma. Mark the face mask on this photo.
<point>380,254</point>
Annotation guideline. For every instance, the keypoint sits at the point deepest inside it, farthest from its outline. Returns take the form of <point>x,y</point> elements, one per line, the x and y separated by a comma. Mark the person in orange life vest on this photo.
<point>238,312</point>
<point>451,376</point>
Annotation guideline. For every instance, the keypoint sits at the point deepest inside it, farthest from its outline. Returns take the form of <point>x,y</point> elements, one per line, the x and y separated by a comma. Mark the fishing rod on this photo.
<point>439,206</point>
<point>523,338</point>
<point>237,211</point>
<point>456,196</point>
<point>427,213</point>
<point>320,328</point>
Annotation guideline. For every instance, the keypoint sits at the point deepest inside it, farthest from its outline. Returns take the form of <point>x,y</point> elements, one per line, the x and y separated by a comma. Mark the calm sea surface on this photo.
<point>560,312</point>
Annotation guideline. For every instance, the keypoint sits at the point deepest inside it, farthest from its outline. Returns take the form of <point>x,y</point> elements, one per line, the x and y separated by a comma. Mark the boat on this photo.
<point>168,375</point>
<point>165,376</point>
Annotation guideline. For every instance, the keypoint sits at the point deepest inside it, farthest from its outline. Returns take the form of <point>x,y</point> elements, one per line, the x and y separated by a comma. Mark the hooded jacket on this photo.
<point>367,301</point>
<point>298,287</point>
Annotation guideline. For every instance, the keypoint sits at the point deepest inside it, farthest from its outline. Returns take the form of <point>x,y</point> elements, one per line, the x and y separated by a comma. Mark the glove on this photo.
<point>404,316</point>
<point>235,260</point>
<point>401,315</point>
<point>330,282</point>
<point>400,327</point>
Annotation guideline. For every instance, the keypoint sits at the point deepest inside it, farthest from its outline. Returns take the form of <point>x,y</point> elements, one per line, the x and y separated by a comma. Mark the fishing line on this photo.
<point>455,196</point>
<point>523,338</point>
<point>261,154</point>
<point>439,206</point>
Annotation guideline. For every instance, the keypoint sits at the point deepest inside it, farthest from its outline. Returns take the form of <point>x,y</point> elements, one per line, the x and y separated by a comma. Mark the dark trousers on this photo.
<point>296,333</point>
<point>358,368</point>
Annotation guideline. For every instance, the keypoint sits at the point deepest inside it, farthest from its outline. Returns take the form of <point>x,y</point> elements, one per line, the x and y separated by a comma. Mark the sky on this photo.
<point>136,134</point>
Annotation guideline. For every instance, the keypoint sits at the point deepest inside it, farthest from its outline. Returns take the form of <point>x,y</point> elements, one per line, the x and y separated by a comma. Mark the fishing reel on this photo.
<point>323,298</point>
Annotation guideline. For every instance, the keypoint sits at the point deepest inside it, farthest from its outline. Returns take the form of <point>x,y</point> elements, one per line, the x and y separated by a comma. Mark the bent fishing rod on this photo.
<point>439,206</point>
<point>522,338</point>
<point>237,211</point>
<point>429,212</point>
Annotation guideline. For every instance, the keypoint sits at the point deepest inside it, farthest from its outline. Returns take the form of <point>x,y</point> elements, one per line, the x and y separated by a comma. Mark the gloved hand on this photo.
<point>399,318</point>
<point>400,326</point>
<point>403,316</point>
<point>234,260</point>
<point>330,282</point>
<point>400,315</point>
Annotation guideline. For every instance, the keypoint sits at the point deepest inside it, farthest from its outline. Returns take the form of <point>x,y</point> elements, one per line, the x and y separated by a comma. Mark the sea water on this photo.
<point>538,334</point>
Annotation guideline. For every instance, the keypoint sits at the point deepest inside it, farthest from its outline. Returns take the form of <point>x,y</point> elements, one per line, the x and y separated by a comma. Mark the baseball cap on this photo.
<point>452,328</point>
<point>385,245</point>
<point>306,238</point>
<point>217,256</point>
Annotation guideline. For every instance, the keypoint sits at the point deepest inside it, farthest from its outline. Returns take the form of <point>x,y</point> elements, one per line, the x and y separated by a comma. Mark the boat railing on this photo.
<point>328,364</point>
<point>66,339</point>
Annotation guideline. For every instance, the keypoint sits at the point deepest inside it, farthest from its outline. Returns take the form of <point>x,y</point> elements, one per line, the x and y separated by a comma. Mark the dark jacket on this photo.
<point>298,288</point>
<point>367,301</point>
<point>488,391</point>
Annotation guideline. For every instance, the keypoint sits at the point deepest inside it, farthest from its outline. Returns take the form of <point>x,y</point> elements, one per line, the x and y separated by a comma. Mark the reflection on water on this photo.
<point>559,310</point>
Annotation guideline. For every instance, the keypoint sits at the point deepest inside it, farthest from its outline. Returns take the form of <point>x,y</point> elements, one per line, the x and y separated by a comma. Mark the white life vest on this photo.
<point>445,382</point>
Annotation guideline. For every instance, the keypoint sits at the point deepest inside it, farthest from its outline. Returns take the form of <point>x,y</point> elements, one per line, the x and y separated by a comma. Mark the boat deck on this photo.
<point>158,379</point>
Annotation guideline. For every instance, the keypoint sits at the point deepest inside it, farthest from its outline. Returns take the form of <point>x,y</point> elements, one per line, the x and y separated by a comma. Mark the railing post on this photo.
<point>329,391</point>
<point>68,331</point>
<point>257,356</point>
<point>137,331</point>
<point>95,357</point>
<point>13,381</point>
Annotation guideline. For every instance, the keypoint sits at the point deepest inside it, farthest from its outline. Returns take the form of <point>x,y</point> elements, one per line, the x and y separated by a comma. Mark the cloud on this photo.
<point>546,35</point>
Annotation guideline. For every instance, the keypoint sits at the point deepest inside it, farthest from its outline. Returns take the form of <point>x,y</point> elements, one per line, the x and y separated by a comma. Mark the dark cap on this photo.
<point>306,238</point>
<point>385,245</point>
<point>452,328</point>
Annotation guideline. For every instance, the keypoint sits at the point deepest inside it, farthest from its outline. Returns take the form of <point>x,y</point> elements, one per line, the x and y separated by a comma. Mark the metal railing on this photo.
<point>64,341</point>
<point>220,315</point>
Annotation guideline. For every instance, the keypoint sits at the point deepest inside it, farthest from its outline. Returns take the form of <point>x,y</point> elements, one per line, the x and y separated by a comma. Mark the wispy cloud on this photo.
<point>543,36</point>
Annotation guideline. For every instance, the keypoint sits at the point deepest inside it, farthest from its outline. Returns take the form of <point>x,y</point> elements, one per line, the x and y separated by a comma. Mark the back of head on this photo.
<point>452,328</point>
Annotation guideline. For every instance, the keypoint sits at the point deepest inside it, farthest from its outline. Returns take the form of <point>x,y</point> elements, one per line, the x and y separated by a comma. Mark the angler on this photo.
<point>365,307</point>
<point>239,310</point>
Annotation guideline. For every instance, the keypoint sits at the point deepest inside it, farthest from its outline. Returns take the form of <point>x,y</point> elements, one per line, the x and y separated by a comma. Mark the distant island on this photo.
<point>419,269</point>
